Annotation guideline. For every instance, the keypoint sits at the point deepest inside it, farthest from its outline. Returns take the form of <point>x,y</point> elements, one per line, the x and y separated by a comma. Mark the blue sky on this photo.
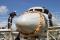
<point>20,6</point>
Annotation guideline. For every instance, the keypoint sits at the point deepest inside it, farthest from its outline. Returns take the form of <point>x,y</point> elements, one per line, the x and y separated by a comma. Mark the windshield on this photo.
<point>31,10</point>
<point>38,10</point>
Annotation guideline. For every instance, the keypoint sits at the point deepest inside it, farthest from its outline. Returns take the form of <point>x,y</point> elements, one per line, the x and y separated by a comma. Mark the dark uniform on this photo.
<point>49,16</point>
<point>50,19</point>
<point>11,16</point>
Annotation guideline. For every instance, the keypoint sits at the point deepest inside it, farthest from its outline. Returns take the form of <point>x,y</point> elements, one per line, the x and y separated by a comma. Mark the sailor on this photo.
<point>49,16</point>
<point>11,16</point>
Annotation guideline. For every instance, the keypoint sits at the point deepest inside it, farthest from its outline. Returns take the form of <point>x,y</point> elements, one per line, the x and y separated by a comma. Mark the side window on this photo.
<point>46,11</point>
<point>38,10</point>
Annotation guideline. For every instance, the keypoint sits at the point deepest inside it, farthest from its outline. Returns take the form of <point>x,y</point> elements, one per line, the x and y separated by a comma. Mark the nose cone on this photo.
<point>28,21</point>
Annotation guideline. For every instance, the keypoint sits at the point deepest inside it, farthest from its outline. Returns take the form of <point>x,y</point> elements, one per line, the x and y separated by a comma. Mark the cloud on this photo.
<point>3,24</point>
<point>55,21</point>
<point>3,9</point>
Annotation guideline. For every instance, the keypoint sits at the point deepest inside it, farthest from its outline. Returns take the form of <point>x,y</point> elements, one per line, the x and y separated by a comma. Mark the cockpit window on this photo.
<point>31,10</point>
<point>46,11</point>
<point>38,10</point>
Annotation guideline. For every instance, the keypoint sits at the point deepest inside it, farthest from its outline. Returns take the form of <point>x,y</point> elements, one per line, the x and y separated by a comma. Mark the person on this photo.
<point>46,11</point>
<point>11,16</point>
<point>50,19</point>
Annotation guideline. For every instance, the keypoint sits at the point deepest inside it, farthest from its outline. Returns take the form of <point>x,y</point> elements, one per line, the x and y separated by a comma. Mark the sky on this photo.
<point>8,6</point>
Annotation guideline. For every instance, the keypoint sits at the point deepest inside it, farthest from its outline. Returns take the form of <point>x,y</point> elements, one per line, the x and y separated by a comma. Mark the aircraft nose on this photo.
<point>28,19</point>
<point>27,22</point>
<point>22,20</point>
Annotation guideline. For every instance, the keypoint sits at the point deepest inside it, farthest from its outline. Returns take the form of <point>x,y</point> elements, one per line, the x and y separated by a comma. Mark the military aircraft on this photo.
<point>34,23</point>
